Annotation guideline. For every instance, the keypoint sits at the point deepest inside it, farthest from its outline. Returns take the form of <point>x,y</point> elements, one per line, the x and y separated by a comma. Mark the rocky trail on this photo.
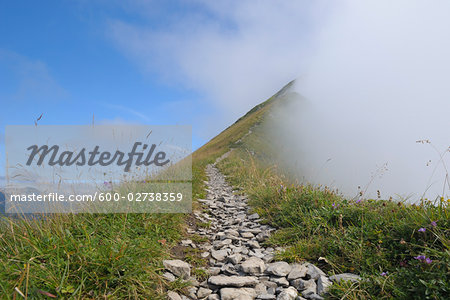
<point>239,266</point>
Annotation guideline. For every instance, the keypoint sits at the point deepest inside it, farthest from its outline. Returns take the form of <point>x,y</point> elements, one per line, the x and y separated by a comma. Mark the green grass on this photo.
<point>380,240</point>
<point>119,256</point>
<point>87,255</point>
<point>113,256</point>
<point>366,237</point>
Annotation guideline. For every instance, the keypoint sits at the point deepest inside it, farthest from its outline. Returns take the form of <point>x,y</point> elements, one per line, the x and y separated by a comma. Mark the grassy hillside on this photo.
<point>401,250</point>
<point>117,256</point>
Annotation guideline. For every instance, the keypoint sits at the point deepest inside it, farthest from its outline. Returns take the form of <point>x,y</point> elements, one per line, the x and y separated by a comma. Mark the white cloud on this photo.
<point>32,79</point>
<point>375,73</point>
<point>129,110</point>
<point>235,53</point>
<point>377,83</point>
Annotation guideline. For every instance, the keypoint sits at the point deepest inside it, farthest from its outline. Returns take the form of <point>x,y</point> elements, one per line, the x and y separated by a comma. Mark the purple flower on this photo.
<point>422,229</point>
<point>424,259</point>
<point>383,274</point>
<point>359,200</point>
<point>108,184</point>
<point>434,224</point>
<point>334,205</point>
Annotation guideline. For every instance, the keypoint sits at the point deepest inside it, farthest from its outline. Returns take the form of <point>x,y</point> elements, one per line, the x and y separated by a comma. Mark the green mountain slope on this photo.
<point>119,256</point>
<point>378,239</point>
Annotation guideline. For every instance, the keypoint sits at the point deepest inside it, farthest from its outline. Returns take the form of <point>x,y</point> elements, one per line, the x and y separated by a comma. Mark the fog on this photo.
<point>378,82</point>
<point>374,73</point>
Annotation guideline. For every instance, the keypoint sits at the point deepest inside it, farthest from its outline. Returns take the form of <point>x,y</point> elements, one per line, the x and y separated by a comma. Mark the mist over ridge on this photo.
<point>369,93</point>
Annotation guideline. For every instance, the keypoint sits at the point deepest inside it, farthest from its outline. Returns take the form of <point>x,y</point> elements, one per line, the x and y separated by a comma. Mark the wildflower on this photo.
<point>383,274</point>
<point>334,205</point>
<point>434,224</point>
<point>423,259</point>
<point>422,229</point>
<point>107,184</point>
<point>358,201</point>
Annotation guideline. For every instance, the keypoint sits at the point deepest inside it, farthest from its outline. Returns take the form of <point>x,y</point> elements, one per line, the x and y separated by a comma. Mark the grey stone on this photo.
<point>345,277</point>
<point>203,293</point>
<point>313,296</point>
<point>299,284</point>
<point>270,284</point>
<point>235,258</point>
<point>237,294</point>
<point>268,258</point>
<point>310,287</point>
<point>220,255</point>
<point>260,288</point>
<point>253,216</point>
<point>298,271</point>
<point>288,294</point>
<point>280,281</point>
<point>247,235</point>
<point>232,232</point>
<point>173,296</point>
<point>266,297</point>
<point>186,242</point>
<point>280,268</point>
<point>169,276</point>
<point>178,267</point>
<point>213,271</point>
<point>262,236</point>
<point>235,281</point>
<point>253,266</point>
<point>323,285</point>
<point>314,272</point>
<point>253,244</point>
<point>192,291</point>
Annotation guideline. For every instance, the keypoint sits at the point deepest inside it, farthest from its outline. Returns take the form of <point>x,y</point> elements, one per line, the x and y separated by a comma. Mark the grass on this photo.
<point>381,240</point>
<point>108,256</point>
<point>119,256</point>
<point>86,256</point>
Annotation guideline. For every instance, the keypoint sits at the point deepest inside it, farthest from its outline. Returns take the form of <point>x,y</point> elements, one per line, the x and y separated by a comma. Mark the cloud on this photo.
<point>129,110</point>
<point>235,53</point>
<point>27,79</point>
<point>374,73</point>
<point>377,83</point>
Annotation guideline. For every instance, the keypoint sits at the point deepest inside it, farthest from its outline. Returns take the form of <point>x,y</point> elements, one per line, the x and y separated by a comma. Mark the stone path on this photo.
<point>240,267</point>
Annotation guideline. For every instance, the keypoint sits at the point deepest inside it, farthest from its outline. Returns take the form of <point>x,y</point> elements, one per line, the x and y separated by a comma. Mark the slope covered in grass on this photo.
<point>401,250</point>
<point>104,255</point>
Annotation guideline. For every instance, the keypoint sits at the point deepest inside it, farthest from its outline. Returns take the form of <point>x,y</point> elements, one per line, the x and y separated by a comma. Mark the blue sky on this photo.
<point>56,59</point>
<point>201,63</point>
<point>379,67</point>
